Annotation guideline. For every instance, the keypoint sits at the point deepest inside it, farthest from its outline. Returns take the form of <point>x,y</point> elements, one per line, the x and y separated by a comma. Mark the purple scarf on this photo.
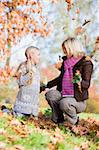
<point>67,85</point>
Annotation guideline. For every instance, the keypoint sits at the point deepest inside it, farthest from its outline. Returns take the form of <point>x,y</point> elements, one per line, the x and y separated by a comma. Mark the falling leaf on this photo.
<point>79,30</point>
<point>68,1</point>
<point>77,11</point>
<point>54,1</point>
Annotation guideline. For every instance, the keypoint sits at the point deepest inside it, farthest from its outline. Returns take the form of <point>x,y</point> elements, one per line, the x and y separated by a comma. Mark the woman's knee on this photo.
<point>53,95</point>
<point>81,107</point>
<point>64,105</point>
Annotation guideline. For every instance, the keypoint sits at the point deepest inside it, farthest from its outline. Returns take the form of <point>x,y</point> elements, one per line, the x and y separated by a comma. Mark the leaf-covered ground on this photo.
<point>43,134</point>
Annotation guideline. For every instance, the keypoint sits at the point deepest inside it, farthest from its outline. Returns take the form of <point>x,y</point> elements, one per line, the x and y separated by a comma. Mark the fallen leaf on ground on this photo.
<point>76,148</point>
<point>15,122</point>
<point>85,146</point>
<point>2,131</point>
<point>17,147</point>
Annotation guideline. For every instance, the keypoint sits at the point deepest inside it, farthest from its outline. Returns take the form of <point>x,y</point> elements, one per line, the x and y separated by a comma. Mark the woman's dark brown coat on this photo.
<point>85,66</point>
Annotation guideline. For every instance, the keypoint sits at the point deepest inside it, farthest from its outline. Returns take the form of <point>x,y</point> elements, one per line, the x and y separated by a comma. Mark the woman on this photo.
<point>72,84</point>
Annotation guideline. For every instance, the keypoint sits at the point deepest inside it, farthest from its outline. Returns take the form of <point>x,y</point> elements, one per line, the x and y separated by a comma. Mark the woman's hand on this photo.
<point>58,65</point>
<point>42,87</point>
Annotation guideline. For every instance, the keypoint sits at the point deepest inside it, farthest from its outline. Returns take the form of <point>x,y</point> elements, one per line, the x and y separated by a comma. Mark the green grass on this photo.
<point>87,115</point>
<point>39,140</point>
<point>35,140</point>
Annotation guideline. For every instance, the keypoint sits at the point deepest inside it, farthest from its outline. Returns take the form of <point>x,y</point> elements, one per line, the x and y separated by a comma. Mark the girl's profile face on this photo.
<point>35,56</point>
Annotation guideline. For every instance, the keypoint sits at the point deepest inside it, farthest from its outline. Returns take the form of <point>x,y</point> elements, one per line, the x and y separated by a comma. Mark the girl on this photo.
<point>27,100</point>
<point>72,83</point>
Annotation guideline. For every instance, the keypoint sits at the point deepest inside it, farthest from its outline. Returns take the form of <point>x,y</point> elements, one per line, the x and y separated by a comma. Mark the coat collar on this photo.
<point>80,61</point>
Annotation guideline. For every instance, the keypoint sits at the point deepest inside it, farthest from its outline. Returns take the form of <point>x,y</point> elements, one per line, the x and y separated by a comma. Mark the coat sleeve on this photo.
<point>86,77</point>
<point>54,82</point>
<point>57,80</point>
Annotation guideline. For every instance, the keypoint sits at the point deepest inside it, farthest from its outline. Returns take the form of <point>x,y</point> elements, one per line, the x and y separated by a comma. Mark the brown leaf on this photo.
<point>17,147</point>
<point>1,114</point>
<point>15,122</point>
<point>51,146</point>
<point>79,30</point>
<point>2,131</point>
<point>85,146</point>
<point>77,11</point>
<point>54,1</point>
<point>68,1</point>
<point>76,148</point>
<point>11,138</point>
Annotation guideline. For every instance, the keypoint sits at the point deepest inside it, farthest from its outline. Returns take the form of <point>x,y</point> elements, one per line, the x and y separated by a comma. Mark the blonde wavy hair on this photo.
<point>28,63</point>
<point>73,46</point>
<point>29,51</point>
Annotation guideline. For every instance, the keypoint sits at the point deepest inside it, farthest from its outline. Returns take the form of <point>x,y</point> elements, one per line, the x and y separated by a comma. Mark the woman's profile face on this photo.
<point>66,52</point>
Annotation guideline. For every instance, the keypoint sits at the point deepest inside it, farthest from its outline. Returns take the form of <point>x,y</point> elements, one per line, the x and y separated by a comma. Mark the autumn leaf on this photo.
<point>54,1</point>
<point>17,147</point>
<point>77,11</point>
<point>2,131</point>
<point>85,146</point>
<point>15,122</point>
<point>69,4</point>
<point>79,30</point>
<point>1,114</point>
<point>68,1</point>
<point>76,148</point>
<point>11,138</point>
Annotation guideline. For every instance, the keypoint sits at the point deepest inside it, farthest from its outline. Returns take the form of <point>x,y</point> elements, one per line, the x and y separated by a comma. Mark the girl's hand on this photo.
<point>17,75</point>
<point>30,76</point>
